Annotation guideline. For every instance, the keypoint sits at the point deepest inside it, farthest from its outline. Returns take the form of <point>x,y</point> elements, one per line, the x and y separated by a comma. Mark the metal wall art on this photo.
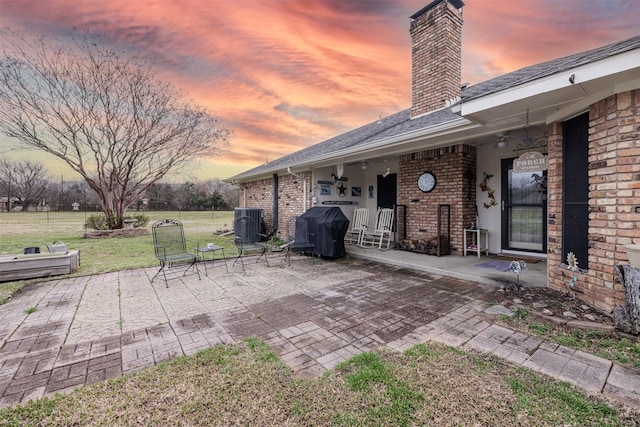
<point>484,186</point>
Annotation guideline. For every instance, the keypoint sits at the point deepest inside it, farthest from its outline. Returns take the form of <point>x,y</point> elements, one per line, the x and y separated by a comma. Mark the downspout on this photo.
<point>241,198</point>
<point>304,188</point>
<point>275,201</point>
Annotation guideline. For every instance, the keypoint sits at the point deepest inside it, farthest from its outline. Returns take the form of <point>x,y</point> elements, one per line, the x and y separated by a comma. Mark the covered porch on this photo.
<point>468,267</point>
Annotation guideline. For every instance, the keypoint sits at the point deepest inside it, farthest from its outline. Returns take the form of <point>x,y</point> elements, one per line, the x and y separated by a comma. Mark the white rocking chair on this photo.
<point>358,226</point>
<point>383,230</point>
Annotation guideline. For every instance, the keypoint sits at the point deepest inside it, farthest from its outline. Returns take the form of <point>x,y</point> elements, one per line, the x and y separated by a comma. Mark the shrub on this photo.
<point>142,219</point>
<point>277,241</point>
<point>99,221</point>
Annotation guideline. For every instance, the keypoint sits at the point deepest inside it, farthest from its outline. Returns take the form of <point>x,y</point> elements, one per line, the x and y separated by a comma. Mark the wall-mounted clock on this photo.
<point>427,182</point>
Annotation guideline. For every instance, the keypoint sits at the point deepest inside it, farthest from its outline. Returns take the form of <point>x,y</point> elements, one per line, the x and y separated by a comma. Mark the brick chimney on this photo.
<point>436,45</point>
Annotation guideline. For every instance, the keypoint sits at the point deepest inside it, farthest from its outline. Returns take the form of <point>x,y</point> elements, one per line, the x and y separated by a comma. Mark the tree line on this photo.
<point>26,185</point>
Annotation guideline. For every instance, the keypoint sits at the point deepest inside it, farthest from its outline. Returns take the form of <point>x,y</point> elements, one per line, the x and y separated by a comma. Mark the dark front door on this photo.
<point>387,190</point>
<point>524,209</point>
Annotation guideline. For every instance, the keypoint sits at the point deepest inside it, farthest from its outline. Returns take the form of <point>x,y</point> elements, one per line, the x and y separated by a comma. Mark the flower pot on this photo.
<point>633,252</point>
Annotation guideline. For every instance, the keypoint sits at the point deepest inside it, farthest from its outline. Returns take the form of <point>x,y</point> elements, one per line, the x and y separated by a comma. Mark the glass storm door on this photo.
<point>524,209</point>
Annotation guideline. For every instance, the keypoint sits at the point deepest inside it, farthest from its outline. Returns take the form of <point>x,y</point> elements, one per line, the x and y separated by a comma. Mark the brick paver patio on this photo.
<point>87,329</point>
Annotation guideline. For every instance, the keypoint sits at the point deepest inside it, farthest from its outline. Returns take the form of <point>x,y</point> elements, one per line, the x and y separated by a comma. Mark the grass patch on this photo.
<point>539,328</point>
<point>9,288</point>
<point>244,384</point>
<point>31,309</point>
<point>532,391</point>
<point>393,401</point>
<point>520,313</point>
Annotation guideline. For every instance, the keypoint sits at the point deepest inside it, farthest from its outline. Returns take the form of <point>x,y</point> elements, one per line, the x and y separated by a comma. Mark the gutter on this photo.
<point>406,137</point>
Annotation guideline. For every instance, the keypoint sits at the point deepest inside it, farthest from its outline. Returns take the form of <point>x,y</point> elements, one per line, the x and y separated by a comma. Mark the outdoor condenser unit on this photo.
<point>249,231</point>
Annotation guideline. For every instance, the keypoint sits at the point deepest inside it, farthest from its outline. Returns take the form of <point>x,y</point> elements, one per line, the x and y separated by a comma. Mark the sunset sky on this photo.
<point>286,74</point>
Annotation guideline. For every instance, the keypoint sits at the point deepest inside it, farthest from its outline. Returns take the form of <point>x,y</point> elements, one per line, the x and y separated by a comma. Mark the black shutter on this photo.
<point>575,192</point>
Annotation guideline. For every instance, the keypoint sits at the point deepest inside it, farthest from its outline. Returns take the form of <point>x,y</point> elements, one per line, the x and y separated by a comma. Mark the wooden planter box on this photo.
<point>20,267</point>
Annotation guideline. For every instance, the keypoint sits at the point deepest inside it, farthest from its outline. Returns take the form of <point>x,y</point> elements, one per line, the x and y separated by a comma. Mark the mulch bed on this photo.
<point>123,232</point>
<point>549,303</point>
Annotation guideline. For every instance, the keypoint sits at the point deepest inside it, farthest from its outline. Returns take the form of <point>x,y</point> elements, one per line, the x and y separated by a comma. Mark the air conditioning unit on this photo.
<point>249,232</point>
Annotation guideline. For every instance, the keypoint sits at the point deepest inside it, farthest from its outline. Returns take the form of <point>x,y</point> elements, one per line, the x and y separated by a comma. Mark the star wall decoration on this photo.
<point>342,189</point>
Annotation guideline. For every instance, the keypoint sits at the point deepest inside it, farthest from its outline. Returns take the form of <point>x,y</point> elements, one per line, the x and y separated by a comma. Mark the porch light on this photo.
<point>364,165</point>
<point>501,142</point>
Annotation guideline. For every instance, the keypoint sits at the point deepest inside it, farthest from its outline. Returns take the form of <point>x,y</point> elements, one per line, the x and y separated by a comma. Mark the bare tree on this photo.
<point>106,114</point>
<point>26,180</point>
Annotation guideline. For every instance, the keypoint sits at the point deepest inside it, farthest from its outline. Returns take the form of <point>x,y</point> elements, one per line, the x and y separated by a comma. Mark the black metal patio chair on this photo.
<point>248,238</point>
<point>171,247</point>
<point>299,239</point>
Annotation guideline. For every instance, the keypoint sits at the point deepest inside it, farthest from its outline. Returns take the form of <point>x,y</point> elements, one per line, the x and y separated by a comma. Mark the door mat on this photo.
<point>520,258</point>
<point>495,264</point>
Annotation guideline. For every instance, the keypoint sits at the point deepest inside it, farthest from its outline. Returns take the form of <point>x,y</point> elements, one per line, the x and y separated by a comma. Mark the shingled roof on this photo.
<point>401,123</point>
<point>389,126</point>
<point>546,69</point>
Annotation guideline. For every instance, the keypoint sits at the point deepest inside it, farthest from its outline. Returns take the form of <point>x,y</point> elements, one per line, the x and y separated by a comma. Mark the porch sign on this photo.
<point>340,202</point>
<point>531,161</point>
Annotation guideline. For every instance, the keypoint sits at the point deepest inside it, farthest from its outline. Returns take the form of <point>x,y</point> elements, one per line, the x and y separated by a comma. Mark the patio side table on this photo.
<point>476,241</point>
<point>202,250</point>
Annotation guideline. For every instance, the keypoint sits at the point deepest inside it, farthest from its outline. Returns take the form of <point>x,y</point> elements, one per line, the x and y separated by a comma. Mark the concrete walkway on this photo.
<point>314,315</point>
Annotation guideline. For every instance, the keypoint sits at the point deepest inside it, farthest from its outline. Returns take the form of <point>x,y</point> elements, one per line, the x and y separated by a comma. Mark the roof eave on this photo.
<point>391,141</point>
<point>574,84</point>
<point>387,143</point>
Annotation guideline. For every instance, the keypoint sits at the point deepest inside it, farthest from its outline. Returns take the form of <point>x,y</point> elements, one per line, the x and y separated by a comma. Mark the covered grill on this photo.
<point>327,227</point>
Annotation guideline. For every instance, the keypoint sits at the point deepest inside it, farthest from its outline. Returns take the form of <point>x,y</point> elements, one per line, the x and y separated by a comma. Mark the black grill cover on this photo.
<point>327,227</point>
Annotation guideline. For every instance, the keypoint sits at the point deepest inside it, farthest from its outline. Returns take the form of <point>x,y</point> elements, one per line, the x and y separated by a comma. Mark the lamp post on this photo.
<point>8,181</point>
<point>61,204</point>
<point>84,190</point>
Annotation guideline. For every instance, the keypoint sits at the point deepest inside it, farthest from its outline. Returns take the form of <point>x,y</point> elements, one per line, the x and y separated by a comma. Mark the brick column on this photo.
<point>614,199</point>
<point>455,170</point>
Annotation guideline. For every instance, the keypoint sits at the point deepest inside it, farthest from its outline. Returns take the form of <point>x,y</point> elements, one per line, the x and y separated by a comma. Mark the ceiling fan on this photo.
<point>526,142</point>
<point>340,169</point>
<point>363,164</point>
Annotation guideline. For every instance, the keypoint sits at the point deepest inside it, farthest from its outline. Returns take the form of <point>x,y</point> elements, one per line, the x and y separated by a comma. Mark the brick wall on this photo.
<point>614,199</point>
<point>259,194</point>
<point>455,171</point>
<point>291,199</point>
<point>436,41</point>
<point>556,276</point>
